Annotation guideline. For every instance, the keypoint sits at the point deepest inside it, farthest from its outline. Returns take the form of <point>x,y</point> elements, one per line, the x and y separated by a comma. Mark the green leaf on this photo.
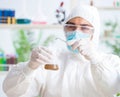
<point>48,40</point>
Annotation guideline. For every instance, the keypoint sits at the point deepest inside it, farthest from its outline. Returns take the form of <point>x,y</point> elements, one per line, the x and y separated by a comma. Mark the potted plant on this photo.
<point>23,45</point>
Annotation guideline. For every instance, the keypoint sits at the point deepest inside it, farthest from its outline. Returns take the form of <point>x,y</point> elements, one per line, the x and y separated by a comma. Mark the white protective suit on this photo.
<point>77,76</point>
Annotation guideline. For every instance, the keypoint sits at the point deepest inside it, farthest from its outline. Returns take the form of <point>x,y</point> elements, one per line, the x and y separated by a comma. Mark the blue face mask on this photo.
<point>76,35</point>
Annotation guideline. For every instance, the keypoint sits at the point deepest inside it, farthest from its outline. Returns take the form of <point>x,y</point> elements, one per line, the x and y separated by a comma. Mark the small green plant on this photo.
<point>23,45</point>
<point>113,38</point>
<point>114,46</point>
<point>118,94</point>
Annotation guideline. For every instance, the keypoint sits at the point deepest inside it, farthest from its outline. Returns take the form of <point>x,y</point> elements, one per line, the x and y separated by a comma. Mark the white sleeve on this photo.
<point>19,81</point>
<point>106,73</point>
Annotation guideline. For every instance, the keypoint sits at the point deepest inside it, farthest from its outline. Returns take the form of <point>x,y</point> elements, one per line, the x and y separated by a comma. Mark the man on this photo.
<point>83,71</point>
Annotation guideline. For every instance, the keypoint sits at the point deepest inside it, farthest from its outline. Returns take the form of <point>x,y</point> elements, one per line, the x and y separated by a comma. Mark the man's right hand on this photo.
<point>40,56</point>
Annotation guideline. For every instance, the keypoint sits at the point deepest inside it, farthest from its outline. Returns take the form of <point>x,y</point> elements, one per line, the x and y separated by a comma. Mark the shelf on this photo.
<point>108,8</point>
<point>30,26</point>
<point>6,65</point>
<point>3,73</point>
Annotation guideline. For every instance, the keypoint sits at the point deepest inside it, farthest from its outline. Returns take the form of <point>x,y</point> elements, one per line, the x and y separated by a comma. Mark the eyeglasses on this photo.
<point>84,29</point>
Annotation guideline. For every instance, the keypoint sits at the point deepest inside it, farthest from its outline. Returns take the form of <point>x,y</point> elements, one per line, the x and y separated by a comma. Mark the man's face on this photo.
<point>78,23</point>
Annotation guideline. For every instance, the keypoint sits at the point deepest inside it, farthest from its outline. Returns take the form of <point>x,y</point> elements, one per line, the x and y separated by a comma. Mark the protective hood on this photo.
<point>90,14</point>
